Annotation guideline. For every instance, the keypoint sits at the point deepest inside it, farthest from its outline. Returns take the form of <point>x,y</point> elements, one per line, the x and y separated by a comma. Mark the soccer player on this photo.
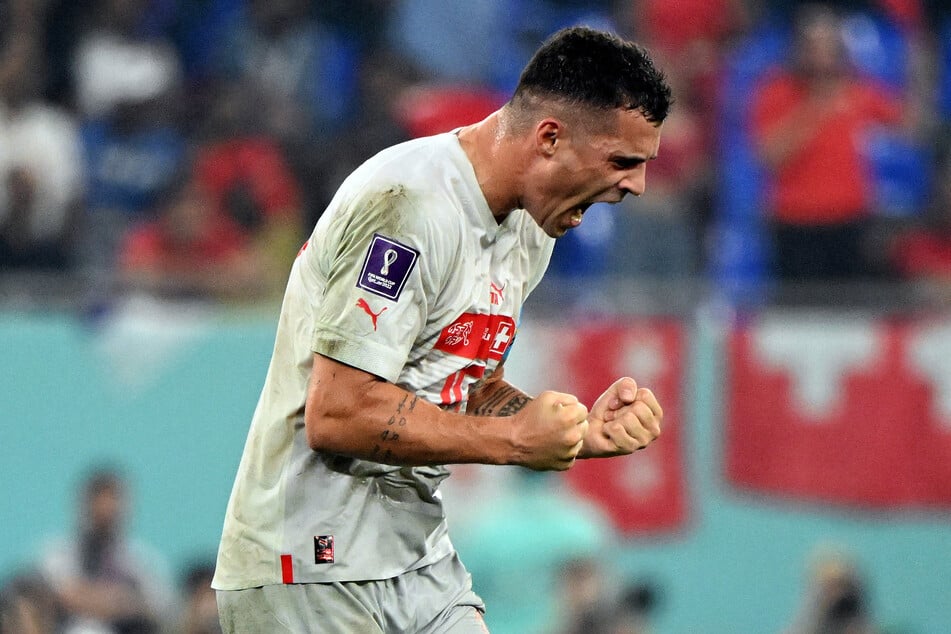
<point>396,320</point>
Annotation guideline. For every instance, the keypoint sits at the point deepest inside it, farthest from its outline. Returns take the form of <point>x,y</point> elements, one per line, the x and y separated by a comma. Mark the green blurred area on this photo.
<point>167,392</point>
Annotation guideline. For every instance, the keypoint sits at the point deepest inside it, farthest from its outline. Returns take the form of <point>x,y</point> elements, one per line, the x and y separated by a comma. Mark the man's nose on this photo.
<point>634,183</point>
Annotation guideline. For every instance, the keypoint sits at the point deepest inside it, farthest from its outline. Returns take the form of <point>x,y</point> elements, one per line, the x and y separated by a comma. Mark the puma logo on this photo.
<point>495,293</point>
<point>362,303</point>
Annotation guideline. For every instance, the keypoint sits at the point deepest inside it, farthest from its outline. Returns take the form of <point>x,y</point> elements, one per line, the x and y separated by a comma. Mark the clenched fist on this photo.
<point>623,419</point>
<point>549,432</point>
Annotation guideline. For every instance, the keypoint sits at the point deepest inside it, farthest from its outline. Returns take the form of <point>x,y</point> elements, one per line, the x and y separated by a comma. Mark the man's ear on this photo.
<point>547,134</point>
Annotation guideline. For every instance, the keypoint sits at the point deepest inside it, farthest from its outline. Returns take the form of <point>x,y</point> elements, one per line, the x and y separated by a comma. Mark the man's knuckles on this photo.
<point>574,436</point>
<point>571,414</point>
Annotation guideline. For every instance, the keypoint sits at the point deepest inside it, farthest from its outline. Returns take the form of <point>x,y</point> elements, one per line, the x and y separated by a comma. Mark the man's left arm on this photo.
<point>625,417</point>
<point>494,396</point>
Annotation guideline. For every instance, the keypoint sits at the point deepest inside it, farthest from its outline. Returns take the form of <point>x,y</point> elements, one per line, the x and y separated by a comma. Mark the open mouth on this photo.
<point>576,214</point>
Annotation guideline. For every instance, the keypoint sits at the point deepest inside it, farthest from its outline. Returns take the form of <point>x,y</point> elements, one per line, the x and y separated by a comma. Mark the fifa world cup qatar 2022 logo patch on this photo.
<point>387,267</point>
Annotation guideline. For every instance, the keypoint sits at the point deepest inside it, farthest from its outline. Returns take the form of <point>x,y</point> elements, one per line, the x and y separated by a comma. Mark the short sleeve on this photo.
<point>381,266</point>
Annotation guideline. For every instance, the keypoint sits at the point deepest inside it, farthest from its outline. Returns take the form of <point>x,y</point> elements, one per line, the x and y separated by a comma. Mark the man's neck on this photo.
<point>494,157</point>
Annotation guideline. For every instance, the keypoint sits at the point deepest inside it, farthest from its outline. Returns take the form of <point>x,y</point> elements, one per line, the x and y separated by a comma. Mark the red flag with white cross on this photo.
<point>842,410</point>
<point>643,493</point>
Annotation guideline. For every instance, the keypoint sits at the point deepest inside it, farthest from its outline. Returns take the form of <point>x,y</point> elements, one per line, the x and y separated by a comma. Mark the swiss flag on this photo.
<point>842,410</point>
<point>927,357</point>
<point>644,492</point>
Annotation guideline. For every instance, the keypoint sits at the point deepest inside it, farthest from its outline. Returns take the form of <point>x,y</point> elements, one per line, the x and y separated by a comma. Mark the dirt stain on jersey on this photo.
<point>332,347</point>
<point>390,207</point>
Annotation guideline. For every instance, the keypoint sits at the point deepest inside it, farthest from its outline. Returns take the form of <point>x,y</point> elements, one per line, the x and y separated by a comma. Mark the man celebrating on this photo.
<point>397,317</point>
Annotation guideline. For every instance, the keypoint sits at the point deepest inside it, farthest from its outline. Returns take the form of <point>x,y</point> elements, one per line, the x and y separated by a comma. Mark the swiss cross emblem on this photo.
<point>502,337</point>
<point>477,336</point>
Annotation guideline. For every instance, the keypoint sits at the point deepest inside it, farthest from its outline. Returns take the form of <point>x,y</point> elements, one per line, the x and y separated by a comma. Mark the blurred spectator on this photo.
<point>251,186</point>
<point>809,121</point>
<point>581,596</point>
<point>128,88</point>
<point>131,159</point>
<point>692,38</point>
<point>192,250</point>
<point>297,73</point>
<point>591,603</point>
<point>484,43</point>
<point>197,30</point>
<point>685,28</point>
<point>200,610</point>
<point>63,22</point>
<point>635,609</point>
<point>908,13</point>
<point>922,252</point>
<point>40,160</point>
<point>28,606</point>
<point>424,109</point>
<point>448,39</point>
<point>363,22</point>
<point>835,599</point>
<point>383,77</point>
<point>523,538</point>
<point>106,582</point>
<point>117,62</point>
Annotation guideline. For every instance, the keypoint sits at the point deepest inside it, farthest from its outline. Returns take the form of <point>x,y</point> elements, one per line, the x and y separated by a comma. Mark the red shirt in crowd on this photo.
<point>826,180</point>
<point>924,254</point>
<point>151,246</point>
<point>675,26</point>
<point>255,163</point>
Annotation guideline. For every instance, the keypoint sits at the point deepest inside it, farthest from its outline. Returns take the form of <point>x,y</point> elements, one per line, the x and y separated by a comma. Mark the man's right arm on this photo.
<point>354,413</point>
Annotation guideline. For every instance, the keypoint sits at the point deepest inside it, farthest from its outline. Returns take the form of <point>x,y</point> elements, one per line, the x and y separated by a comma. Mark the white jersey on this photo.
<point>408,276</point>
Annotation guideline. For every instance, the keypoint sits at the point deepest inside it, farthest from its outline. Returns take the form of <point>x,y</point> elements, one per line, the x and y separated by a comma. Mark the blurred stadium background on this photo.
<point>809,424</point>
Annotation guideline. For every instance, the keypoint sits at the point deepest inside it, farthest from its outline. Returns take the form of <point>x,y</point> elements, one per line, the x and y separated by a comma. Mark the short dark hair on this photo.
<point>583,66</point>
<point>102,479</point>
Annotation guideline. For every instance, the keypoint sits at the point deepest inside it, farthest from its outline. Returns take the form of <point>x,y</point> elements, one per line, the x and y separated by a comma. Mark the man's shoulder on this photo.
<point>415,179</point>
<point>423,153</point>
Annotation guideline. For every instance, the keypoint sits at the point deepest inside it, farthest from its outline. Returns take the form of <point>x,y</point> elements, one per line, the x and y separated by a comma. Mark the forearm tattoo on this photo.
<point>504,401</point>
<point>514,404</point>
<point>383,450</point>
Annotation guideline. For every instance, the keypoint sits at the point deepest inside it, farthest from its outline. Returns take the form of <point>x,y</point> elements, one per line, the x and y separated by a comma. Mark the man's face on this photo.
<point>582,168</point>
<point>104,511</point>
<point>821,49</point>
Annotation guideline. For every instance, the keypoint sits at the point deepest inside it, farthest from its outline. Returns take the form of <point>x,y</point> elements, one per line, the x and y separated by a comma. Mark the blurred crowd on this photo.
<point>834,598</point>
<point>98,578</point>
<point>185,149</point>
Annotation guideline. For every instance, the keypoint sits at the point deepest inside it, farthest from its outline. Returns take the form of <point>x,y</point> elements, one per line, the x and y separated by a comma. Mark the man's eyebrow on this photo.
<point>630,161</point>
